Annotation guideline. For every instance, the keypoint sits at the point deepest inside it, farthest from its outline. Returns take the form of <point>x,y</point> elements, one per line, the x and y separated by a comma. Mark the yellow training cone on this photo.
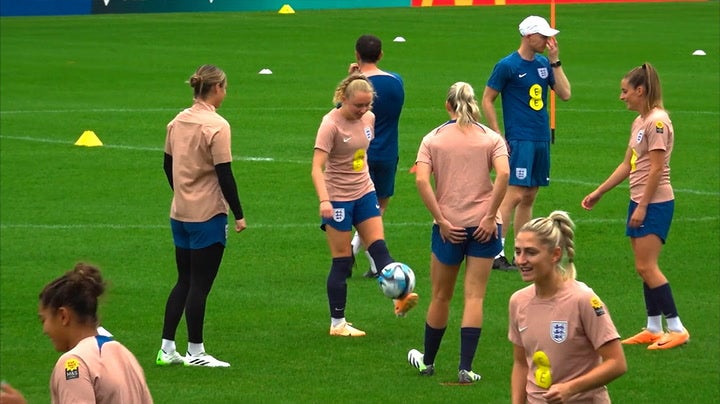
<point>286,9</point>
<point>89,139</point>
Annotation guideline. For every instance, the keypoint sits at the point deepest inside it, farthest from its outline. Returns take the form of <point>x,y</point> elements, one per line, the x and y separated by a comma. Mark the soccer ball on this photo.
<point>396,280</point>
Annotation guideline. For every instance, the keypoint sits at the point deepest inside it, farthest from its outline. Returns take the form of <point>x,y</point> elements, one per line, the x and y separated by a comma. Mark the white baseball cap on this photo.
<point>536,25</point>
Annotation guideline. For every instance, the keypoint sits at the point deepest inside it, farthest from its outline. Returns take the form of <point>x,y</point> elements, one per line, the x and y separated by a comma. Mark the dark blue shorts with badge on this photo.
<point>529,163</point>
<point>350,213</point>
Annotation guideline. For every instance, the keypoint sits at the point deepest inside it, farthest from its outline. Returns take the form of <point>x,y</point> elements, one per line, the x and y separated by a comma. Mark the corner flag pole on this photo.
<point>552,93</point>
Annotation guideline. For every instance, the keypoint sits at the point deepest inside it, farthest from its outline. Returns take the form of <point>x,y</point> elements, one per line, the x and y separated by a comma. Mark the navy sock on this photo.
<point>469,339</point>
<point>433,337</point>
<point>664,298</point>
<point>380,254</point>
<point>337,285</point>
<point>651,303</point>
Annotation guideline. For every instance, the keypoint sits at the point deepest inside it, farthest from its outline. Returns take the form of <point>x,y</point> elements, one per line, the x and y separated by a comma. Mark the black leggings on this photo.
<point>197,270</point>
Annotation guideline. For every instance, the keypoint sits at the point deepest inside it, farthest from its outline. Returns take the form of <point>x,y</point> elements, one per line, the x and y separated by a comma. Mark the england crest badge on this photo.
<point>558,331</point>
<point>339,214</point>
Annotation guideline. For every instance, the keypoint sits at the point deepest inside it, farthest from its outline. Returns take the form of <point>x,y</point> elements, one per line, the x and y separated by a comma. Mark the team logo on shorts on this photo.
<point>520,173</point>
<point>639,136</point>
<point>339,214</point>
<point>558,331</point>
<point>72,369</point>
<point>543,72</point>
<point>368,133</point>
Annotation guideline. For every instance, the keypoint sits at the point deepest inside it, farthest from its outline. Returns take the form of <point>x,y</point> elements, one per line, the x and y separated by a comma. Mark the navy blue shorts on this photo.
<point>197,235</point>
<point>350,213</point>
<point>657,220</point>
<point>453,254</point>
<point>529,163</point>
<point>383,176</point>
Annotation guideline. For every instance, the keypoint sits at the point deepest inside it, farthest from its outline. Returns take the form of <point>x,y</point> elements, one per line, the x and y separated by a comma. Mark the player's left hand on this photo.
<point>486,230</point>
<point>240,225</point>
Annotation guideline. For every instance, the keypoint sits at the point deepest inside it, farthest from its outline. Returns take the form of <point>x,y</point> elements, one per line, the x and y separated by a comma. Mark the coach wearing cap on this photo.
<point>524,78</point>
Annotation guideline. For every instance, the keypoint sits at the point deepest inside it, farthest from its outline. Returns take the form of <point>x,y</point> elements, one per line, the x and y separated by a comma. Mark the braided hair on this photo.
<point>556,230</point>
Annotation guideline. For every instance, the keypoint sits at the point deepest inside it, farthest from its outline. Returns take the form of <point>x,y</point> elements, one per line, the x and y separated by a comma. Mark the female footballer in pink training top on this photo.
<point>652,202</point>
<point>347,194</point>
<point>460,155</point>
<point>198,167</point>
<point>94,368</point>
<point>565,345</point>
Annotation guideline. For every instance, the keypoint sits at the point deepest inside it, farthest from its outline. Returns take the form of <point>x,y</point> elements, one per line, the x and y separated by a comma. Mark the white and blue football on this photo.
<point>396,280</point>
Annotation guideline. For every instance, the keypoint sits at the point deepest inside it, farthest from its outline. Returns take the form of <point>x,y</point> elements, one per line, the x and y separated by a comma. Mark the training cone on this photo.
<point>286,9</point>
<point>413,169</point>
<point>88,139</point>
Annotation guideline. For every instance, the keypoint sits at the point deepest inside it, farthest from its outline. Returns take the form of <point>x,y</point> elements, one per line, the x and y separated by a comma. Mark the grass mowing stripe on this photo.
<point>272,159</point>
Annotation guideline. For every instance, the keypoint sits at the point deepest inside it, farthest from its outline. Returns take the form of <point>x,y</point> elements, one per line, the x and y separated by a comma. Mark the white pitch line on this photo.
<point>275,226</point>
<point>299,161</point>
<point>126,147</point>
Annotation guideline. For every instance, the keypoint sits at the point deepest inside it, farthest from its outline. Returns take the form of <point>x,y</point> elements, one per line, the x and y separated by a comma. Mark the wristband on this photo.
<point>556,64</point>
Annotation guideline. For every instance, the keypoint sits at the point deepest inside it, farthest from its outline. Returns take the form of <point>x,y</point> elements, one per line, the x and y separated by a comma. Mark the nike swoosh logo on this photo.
<point>522,75</point>
<point>521,329</point>
<point>346,139</point>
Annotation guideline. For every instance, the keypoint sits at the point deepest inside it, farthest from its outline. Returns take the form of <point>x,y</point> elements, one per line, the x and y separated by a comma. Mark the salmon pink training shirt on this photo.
<point>462,160</point>
<point>346,141</point>
<point>198,139</point>
<point>99,370</point>
<point>560,336</point>
<point>654,132</point>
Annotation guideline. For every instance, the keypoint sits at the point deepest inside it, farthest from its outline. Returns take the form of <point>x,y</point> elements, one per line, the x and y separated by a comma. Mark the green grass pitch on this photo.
<point>123,76</point>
